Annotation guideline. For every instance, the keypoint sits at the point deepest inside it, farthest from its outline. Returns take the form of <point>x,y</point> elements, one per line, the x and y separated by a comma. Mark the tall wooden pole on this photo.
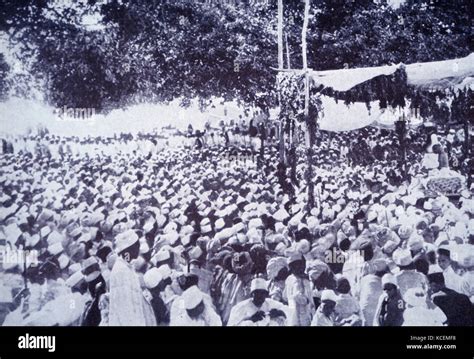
<point>308,121</point>
<point>280,34</point>
<point>280,66</point>
<point>288,63</point>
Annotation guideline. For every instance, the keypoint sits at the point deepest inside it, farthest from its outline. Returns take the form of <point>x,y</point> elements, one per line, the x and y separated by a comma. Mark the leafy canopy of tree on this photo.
<point>160,50</point>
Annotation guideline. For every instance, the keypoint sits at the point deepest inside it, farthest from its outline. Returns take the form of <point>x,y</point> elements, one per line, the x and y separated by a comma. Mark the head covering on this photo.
<point>328,294</point>
<point>12,232</point>
<point>63,260</point>
<point>281,215</point>
<point>463,254</point>
<point>388,278</point>
<point>275,265</point>
<point>379,264</point>
<point>33,240</point>
<point>125,240</point>
<point>258,283</point>
<point>75,279</point>
<point>90,269</point>
<point>55,248</point>
<point>295,256</point>
<point>404,231</point>
<point>303,246</point>
<point>402,257</point>
<point>415,242</point>
<point>152,278</point>
<point>192,297</point>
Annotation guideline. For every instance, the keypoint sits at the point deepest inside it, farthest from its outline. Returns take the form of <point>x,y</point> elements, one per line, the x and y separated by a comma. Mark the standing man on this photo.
<point>128,306</point>
<point>451,278</point>
<point>391,305</point>
<point>298,293</point>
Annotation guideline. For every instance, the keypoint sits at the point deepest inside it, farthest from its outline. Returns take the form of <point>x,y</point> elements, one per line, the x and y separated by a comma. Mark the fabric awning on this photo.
<point>437,74</point>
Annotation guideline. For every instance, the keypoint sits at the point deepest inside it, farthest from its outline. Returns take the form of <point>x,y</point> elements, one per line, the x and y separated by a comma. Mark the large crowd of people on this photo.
<point>129,231</point>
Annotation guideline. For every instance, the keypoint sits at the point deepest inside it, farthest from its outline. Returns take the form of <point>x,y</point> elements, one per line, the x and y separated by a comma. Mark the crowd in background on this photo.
<point>129,231</point>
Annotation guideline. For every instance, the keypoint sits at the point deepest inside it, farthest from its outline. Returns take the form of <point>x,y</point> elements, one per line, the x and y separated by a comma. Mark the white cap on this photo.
<point>295,256</point>
<point>12,232</point>
<point>255,223</point>
<point>192,297</point>
<point>162,255</point>
<point>144,248</point>
<point>55,237</point>
<point>238,227</point>
<point>415,242</point>
<point>33,240</point>
<point>195,252</point>
<point>125,240</point>
<point>152,278</point>
<point>402,257</point>
<point>388,278</point>
<point>171,237</point>
<point>75,267</point>
<point>148,226</point>
<point>55,248</point>
<point>258,283</point>
<point>45,231</point>
<point>75,279</point>
<point>281,215</point>
<point>303,246</point>
<point>63,261</point>
<point>225,234</point>
<point>219,224</point>
<point>463,254</point>
<point>328,294</point>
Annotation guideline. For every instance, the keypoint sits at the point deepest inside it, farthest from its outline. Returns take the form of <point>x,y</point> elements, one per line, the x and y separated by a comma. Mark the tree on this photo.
<point>159,50</point>
<point>4,69</point>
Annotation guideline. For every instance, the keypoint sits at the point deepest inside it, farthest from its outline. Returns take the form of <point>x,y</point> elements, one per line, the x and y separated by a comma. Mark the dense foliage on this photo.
<point>159,50</point>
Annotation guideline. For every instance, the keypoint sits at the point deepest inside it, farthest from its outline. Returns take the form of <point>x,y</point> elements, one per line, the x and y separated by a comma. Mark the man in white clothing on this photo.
<point>452,279</point>
<point>325,314</point>
<point>128,306</point>
<point>259,310</point>
<point>194,311</point>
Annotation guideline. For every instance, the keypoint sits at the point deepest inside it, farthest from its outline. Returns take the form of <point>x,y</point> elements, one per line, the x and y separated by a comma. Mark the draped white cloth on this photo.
<point>128,306</point>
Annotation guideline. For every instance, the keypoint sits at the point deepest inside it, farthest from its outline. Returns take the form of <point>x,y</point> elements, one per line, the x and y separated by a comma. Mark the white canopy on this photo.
<point>448,73</point>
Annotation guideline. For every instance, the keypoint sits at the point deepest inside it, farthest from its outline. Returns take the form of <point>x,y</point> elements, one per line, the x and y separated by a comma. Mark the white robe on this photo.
<point>453,280</point>
<point>407,279</point>
<point>321,320</point>
<point>370,292</point>
<point>177,305</point>
<point>208,318</point>
<point>299,296</point>
<point>467,285</point>
<point>242,311</point>
<point>423,317</point>
<point>128,306</point>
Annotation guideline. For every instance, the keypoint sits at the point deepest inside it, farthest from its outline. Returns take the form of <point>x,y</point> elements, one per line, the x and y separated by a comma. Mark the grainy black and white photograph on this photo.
<point>236,163</point>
